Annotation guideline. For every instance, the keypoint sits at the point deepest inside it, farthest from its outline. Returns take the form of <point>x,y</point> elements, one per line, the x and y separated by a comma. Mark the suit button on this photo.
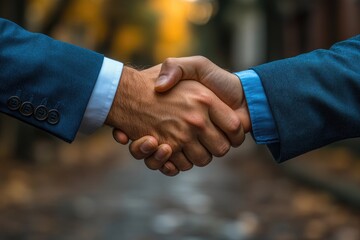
<point>53,117</point>
<point>41,113</point>
<point>27,109</point>
<point>14,103</point>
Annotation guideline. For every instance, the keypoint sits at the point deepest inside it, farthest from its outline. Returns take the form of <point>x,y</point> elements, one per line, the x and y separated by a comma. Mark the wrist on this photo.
<point>116,114</point>
<point>245,117</point>
<point>241,107</point>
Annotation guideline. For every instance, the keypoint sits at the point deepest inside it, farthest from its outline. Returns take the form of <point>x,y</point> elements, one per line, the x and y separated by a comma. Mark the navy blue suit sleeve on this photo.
<point>36,70</point>
<point>314,98</point>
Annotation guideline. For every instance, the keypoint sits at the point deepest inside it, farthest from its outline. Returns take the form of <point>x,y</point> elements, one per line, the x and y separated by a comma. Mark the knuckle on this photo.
<point>152,164</point>
<point>136,152</point>
<point>200,123</point>
<point>187,167</point>
<point>136,155</point>
<point>168,62</point>
<point>222,149</point>
<point>236,132</point>
<point>204,98</point>
<point>197,120</point>
<point>202,162</point>
<point>240,140</point>
<point>169,172</point>
<point>234,124</point>
<point>185,139</point>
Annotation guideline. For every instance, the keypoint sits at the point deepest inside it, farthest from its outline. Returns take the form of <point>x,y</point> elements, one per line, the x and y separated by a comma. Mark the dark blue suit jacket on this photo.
<point>44,82</point>
<point>314,98</point>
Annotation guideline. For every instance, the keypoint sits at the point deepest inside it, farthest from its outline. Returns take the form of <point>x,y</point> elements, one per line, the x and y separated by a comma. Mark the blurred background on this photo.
<point>94,189</point>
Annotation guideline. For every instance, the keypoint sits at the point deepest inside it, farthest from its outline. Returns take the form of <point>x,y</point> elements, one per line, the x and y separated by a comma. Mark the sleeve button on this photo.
<point>41,113</point>
<point>14,103</point>
<point>27,109</point>
<point>53,117</point>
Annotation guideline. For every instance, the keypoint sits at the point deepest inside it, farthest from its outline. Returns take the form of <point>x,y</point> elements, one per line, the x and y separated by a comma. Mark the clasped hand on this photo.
<point>176,127</point>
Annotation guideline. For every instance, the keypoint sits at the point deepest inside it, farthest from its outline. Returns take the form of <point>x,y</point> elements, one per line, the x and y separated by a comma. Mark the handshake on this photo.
<point>185,111</point>
<point>179,113</point>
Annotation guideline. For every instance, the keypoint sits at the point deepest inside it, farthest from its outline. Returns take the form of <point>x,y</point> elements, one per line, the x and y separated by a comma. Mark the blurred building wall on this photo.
<point>295,26</point>
<point>266,30</point>
<point>249,41</point>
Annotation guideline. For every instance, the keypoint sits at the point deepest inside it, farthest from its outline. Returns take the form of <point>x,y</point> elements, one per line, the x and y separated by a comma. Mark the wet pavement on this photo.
<point>244,195</point>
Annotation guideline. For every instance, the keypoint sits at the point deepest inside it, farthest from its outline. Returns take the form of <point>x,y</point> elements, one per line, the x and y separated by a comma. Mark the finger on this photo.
<point>226,119</point>
<point>159,158</point>
<point>169,75</point>
<point>169,169</point>
<point>223,83</point>
<point>175,69</point>
<point>197,154</point>
<point>143,147</point>
<point>181,162</point>
<point>214,140</point>
<point>120,136</point>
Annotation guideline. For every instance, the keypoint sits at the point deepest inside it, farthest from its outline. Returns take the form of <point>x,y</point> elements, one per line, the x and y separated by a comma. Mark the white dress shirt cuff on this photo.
<point>102,96</point>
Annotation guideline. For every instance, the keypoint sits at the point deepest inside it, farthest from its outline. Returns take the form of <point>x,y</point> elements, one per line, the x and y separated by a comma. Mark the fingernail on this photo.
<point>146,147</point>
<point>160,155</point>
<point>166,169</point>
<point>161,81</point>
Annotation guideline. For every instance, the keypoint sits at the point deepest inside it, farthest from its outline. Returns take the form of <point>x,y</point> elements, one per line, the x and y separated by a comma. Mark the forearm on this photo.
<point>43,71</point>
<point>314,94</point>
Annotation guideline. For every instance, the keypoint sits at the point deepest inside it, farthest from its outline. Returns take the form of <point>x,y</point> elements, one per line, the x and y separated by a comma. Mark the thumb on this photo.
<point>170,74</point>
<point>188,68</point>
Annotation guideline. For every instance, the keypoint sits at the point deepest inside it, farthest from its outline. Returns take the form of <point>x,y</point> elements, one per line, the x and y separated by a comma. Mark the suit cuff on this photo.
<point>102,96</point>
<point>264,129</point>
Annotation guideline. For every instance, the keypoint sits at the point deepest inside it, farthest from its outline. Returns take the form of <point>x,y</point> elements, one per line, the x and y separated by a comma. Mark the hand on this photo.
<point>224,84</point>
<point>188,119</point>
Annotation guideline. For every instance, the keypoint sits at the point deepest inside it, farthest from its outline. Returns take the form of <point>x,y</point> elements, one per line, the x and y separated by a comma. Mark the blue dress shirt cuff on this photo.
<point>102,96</point>
<point>264,129</point>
